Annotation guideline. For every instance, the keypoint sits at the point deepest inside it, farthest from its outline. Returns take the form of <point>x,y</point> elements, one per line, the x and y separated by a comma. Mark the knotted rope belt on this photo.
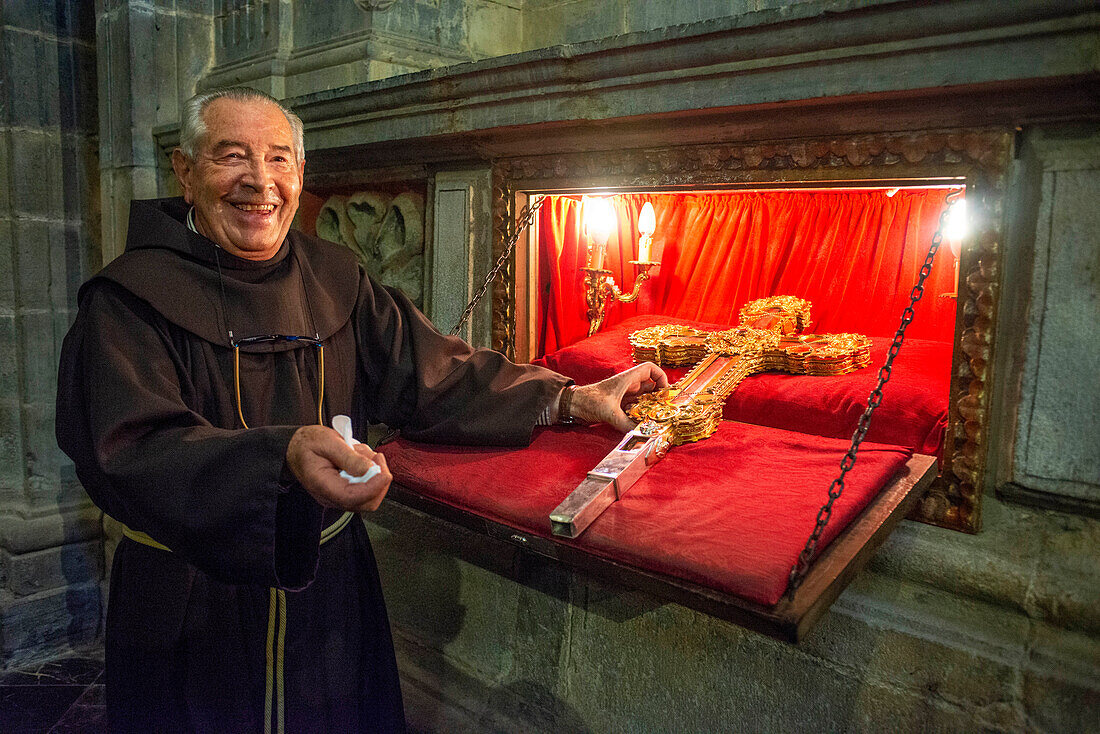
<point>276,626</point>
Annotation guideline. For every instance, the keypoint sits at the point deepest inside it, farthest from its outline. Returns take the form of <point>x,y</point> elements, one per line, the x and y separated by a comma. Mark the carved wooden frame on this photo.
<point>978,156</point>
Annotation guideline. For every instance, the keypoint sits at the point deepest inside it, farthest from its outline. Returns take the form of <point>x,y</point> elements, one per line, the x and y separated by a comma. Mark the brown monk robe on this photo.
<point>147,410</point>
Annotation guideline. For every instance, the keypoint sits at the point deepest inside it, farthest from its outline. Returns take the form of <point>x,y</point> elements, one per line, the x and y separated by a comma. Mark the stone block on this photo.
<point>26,530</point>
<point>1055,704</point>
<point>163,84</point>
<point>5,166</point>
<point>54,568</point>
<point>648,16</point>
<point>7,264</point>
<point>541,624</point>
<point>9,357</point>
<point>114,87</point>
<point>32,263</point>
<point>12,475</point>
<point>82,258</point>
<point>58,264</point>
<point>112,7</point>
<point>36,190</point>
<point>494,29</point>
<point>572,23</point>
<point>127,86</point>
<point>38,350</point>
<point>1065,589</point>
<point>42,459</point>
<point>80,181</point>
<point>78,106</point>
<point>142,58</point>
<point>194,58</point>
<point>75,20</point>
<point>445,603</point>
<point>315,23</point>
<point>188,7</point>
<point>30,15</point>
<point>241,30</point>
<point>31,68</point>
<point>443,22</point>
<point>48,623</point>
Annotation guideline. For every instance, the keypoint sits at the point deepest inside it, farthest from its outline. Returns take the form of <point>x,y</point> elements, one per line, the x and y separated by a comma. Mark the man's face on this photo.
<point>246,179</point>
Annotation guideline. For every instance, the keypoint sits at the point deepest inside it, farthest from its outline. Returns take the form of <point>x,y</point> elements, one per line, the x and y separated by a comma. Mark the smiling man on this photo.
<point>194,394</point>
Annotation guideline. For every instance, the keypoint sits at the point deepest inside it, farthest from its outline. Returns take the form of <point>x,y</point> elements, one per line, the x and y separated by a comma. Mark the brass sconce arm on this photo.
<point>600,287</point>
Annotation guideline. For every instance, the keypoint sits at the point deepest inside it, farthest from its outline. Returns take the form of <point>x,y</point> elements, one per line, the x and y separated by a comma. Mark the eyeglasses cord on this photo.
<point>320,389</point>
<point>237,348</point>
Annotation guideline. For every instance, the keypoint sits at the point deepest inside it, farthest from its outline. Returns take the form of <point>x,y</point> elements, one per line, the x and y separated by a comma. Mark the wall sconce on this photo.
<point>599,285</point>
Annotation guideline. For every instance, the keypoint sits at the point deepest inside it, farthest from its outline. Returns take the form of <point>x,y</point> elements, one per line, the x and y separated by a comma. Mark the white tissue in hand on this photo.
<point>342,425</point>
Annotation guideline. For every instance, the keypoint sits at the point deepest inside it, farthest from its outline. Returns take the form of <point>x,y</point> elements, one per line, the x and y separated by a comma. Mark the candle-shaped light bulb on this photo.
<point>647,220</point>
<point>647,223</point>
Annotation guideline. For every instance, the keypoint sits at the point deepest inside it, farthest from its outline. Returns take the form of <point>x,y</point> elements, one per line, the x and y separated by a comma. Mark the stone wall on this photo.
<point>50,554</point>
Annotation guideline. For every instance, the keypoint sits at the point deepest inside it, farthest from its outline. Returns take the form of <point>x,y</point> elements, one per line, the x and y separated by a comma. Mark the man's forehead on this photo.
<point>244,120</point>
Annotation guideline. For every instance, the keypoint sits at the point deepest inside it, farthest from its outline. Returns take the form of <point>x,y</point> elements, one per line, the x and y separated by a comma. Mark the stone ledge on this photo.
<point>1037,563</point>
<point>713,65</point>
<point>20,535</point>
<point>52,568</point>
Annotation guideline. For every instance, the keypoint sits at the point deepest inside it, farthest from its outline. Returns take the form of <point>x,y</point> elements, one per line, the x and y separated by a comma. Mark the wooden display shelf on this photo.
<point>790,620</point>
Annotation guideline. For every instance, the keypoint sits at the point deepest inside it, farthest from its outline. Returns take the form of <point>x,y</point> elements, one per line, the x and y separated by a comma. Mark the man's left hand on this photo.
<point>602,402</point>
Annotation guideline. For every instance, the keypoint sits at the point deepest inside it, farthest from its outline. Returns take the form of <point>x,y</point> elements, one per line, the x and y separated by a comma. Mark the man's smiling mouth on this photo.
<point>267,208</point>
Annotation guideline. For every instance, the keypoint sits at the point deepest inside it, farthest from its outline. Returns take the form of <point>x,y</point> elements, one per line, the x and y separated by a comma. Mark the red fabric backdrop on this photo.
<point>854,255</point>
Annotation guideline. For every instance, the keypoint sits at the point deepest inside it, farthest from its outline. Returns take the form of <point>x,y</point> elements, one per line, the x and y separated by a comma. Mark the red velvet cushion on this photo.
<point>731,512</point>
<point>913,412</point>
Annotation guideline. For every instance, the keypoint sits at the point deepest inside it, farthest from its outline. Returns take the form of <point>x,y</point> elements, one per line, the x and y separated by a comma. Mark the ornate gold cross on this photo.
<point>768,338</point>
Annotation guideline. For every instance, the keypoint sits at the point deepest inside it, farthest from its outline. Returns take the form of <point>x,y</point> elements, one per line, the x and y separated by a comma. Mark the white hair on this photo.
<point>193,127</point>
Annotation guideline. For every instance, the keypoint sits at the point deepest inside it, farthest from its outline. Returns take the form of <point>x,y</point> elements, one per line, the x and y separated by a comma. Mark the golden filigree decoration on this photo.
<point>743,351</point>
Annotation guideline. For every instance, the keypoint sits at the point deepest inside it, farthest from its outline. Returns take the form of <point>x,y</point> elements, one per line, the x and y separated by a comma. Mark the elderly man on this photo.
<point>195,389</point>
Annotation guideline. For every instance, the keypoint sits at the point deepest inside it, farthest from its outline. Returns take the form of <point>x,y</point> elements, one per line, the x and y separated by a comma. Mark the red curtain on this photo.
<point>855,255</point>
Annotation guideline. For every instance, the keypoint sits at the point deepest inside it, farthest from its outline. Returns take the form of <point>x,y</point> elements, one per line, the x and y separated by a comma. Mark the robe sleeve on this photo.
<point>219,498</point>
<point>438,388</point>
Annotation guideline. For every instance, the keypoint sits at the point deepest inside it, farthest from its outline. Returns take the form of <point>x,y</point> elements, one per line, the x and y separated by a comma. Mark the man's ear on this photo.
<point>184,167</point>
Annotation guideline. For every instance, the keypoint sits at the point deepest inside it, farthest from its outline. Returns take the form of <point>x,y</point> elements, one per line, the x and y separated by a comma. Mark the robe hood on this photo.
<point>201,288</point>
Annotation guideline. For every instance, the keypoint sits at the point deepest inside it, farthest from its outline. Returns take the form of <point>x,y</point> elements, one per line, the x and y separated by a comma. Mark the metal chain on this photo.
<point>526,216</point>
<point>802,566</point>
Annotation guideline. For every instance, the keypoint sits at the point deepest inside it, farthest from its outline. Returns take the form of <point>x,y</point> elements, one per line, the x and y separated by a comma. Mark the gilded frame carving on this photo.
<point>978,156</point>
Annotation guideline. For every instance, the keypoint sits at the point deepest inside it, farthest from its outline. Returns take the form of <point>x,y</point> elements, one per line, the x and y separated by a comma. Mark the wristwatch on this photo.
<point>565,404</point>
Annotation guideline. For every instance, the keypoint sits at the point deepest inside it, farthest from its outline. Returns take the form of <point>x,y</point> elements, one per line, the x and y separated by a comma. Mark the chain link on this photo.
<point>526,216</point>
<point>802,566</point>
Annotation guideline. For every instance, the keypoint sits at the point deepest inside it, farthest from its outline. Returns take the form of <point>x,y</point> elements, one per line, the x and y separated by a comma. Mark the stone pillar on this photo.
<point>150,57</point>
<point>51,556</point>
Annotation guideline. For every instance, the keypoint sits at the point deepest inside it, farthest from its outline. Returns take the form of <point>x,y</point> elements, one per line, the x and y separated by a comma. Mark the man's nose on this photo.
<point>258,175</point>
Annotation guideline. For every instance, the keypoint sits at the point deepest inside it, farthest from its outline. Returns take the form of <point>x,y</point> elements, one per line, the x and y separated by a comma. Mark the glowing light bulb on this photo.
<point>955,229</point>
<point>599,220</point>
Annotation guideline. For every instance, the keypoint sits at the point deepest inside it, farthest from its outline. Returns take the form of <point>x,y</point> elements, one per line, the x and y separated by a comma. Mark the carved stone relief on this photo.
<point>977,155</point>
<point>385,232</point>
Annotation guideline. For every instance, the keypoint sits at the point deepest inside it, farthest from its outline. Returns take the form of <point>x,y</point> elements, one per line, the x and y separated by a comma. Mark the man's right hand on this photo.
<point>317,455</point>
